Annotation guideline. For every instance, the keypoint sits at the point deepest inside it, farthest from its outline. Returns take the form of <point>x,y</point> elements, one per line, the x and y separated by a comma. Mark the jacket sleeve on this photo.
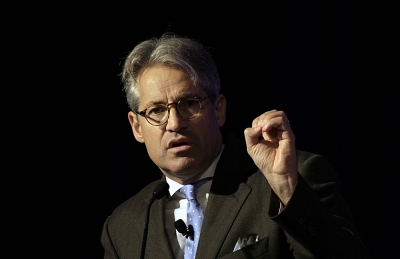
<point>109,250</point>
<point>317,220</point>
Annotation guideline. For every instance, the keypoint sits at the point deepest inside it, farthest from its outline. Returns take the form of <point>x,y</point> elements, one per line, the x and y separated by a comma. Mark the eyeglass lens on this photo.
<point>187,108</point>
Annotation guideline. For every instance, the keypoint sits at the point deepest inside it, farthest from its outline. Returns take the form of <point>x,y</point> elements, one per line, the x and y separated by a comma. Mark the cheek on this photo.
<point>210,121</point>
<point>152,140</point>
<point>154,148</point>
<point>208,128</point>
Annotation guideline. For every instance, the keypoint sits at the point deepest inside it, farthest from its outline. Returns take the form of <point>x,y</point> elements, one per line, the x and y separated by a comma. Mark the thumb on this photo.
<point>251,136</point>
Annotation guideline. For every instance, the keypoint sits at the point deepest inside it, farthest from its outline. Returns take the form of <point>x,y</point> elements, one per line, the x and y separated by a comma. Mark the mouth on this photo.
<point>179,144</point>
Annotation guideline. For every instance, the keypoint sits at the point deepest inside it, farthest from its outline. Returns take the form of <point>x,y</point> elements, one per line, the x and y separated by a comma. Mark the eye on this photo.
<point>156,110</point>
<point>189,102</point>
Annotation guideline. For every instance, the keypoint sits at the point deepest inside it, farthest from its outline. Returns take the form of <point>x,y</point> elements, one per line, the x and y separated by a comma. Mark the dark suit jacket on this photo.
<point>316,223</point>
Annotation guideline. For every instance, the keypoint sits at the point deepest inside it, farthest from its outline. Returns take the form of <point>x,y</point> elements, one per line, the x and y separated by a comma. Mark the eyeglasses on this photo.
<point>187,107</point>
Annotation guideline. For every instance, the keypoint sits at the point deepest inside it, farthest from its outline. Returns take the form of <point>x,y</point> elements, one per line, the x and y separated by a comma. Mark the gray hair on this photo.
<point>183,53</point>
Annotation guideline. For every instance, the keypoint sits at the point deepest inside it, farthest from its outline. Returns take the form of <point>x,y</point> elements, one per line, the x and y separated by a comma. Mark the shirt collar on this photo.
<point>174,186</point>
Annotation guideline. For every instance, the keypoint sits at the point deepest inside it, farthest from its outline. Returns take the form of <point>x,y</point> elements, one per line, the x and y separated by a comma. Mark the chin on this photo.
<point>181,166</point>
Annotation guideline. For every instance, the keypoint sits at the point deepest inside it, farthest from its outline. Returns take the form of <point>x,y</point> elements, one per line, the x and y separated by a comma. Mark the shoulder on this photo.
<point>318,172</point>
<point>311,163</point>
<point>134,206</point>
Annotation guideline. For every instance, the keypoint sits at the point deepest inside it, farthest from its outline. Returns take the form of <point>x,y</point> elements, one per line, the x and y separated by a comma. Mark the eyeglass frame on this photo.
<point>199,99</point>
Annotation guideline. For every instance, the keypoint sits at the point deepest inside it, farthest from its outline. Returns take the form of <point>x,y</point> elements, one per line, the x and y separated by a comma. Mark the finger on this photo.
<point>276,122</point>
<point>264,117</point>
<point>271,135</point>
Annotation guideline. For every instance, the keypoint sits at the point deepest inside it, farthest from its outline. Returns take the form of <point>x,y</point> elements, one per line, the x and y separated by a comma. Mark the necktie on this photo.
<point>194,216</point>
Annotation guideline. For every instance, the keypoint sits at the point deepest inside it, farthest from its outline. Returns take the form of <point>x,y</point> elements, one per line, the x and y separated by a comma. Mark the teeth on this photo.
<point>179,144</point>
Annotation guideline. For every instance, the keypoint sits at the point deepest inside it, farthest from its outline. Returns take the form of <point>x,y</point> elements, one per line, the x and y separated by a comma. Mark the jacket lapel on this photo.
<point>227,195</point>
<point>217,223</point>
<point>158,243</point>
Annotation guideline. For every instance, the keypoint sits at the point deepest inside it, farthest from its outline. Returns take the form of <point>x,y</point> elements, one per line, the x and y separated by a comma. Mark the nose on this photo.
<point>175,121</point>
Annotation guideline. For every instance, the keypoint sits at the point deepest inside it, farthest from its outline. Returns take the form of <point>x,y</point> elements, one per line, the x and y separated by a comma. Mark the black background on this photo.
<point>330,65</point>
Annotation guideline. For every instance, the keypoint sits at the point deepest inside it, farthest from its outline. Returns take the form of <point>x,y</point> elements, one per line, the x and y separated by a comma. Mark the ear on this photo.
<point>135,125</point>
<point>220,109</point>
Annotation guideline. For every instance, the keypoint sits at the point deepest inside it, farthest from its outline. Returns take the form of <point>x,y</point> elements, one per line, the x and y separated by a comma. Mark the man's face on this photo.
<point>183,149</point>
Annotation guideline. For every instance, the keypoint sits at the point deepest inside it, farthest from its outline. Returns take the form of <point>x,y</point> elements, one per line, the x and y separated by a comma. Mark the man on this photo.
<point>265,198</point>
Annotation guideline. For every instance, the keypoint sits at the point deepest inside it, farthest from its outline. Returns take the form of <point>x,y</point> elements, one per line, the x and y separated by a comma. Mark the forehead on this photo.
<point>164,83</point>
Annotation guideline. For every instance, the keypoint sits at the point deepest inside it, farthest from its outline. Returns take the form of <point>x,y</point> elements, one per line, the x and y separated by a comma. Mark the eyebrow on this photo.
<point>186,95</point>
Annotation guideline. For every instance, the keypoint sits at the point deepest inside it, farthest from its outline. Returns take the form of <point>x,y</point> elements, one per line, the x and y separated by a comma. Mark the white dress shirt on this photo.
<point>177,204</point>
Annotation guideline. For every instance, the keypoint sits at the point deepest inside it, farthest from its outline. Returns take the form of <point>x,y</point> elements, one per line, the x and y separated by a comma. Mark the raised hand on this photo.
<point>271,144</point>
